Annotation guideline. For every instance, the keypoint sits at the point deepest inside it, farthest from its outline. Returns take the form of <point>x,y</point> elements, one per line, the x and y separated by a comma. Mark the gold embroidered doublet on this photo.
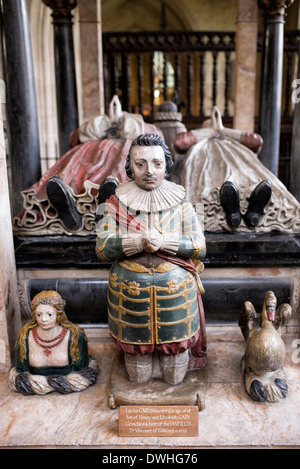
<point>152,302</point>
<point>155,306</point>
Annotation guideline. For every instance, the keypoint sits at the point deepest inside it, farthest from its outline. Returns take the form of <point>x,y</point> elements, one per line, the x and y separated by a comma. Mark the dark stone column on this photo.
<point>66,91</point>
<point>271,84</point>
<point>21,108</point>
<point>295,154</point>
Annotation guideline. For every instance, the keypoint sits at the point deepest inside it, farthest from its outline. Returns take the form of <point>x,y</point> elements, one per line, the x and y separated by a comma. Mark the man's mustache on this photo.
<point>149,178</point>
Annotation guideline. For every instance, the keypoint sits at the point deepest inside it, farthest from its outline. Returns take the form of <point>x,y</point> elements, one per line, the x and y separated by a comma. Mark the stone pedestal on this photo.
<point>121,391</point>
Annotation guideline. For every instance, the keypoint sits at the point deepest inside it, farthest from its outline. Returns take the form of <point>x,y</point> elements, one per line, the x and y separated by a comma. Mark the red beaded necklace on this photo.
<point>58,340</point>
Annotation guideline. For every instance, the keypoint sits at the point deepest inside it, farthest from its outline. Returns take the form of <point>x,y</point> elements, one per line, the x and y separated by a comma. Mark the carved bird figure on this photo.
<point>262,363</point>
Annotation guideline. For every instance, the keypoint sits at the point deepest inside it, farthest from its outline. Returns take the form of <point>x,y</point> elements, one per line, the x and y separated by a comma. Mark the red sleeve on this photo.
<point>184,141</point>
<point>74,138</point>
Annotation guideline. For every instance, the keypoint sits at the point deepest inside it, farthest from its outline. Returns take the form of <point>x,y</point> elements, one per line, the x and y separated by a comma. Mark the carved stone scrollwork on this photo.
<point>275,9</point>
<point>61,9</point>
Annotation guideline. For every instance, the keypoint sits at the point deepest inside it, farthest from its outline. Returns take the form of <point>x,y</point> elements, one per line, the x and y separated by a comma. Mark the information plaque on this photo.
<point>158,421</point>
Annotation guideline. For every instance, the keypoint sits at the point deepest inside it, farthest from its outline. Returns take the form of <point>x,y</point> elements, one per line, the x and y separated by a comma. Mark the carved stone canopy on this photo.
<point>275,9</point>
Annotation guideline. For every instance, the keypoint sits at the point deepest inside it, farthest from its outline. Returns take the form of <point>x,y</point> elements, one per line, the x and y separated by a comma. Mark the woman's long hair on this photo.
<point>52,298</point>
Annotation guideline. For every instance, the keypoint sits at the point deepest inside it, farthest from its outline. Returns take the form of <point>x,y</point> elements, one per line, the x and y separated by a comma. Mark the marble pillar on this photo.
<point>295,154</point>
<point>271,84</point>
<point>245,66</point>
<point>21,107</point>
<point>65,75</point>
<point>10,322</point>
<point>91,58</point>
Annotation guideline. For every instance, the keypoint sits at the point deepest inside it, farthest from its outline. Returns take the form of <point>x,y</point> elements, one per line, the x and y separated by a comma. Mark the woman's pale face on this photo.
<point>148,165</point>
<point>45,316</point>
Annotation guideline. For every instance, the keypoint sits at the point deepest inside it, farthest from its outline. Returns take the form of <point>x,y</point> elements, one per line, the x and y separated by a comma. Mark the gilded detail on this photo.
<point>134,288</point>
<point>100,251</point>
<point>169,222</point>
<point>135,267</point>
<point>113,280</point>
<point>173,287</point>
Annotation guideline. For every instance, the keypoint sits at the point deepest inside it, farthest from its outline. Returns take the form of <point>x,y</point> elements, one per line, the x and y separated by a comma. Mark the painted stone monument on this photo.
<point>51,352</point>
<point>65,200</point>
<point>222,171</point>
<point>155,314</point>
<point>262,364</point>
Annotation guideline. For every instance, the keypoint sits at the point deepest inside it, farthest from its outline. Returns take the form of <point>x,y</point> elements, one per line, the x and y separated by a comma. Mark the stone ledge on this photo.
<point>230,418</point>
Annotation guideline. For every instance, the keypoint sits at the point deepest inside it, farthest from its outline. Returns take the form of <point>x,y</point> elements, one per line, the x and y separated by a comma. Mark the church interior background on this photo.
<point>62,62</point>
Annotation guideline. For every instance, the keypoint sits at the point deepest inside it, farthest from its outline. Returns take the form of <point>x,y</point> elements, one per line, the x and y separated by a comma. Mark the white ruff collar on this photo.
<point>167,195</point>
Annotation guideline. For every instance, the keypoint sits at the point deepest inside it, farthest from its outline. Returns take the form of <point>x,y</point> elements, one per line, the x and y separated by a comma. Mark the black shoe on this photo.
<point>107,188</point>
<point>61,199</point>
<point>258,200</point>
<point>230,201</point>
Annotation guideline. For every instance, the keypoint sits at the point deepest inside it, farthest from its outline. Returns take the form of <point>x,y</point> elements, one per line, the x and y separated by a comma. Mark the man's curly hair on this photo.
<point>144,140</point>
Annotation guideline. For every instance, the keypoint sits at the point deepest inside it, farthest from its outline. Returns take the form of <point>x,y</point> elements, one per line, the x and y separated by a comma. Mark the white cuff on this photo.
<point>170,243</point>
<point>132,245</point>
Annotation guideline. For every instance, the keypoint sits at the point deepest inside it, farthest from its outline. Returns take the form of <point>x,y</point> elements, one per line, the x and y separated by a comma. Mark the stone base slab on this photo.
<point>122,391</point>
